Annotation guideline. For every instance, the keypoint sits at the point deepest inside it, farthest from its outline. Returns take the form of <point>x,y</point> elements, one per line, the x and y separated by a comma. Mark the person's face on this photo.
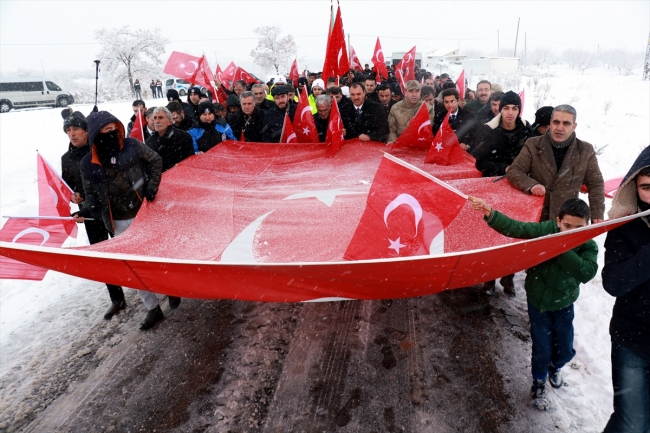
<point>290,95</point>
<point>161,122</point>
<point>542,129</point>
<point>483,93</point>
<point>206,117</point>
<point>494,106</point>
<point>323,110</point>
<point>562,126</point>
<point>248,104</point>
<point>429,99</point>
<point>413,96</point>
<point>259,94</point>
<point>429,82</point>
<point>570,222</point>
<point>384,96</point>
<point>509,115</point>
<point>451,103</point>
<point>108,128</point>
<point>317,90</point>
<point>396,97</point>
<point>643,188</point>
<point>177,118</point>
<point>138,107</point>
<point>370,86</point>
<point>238,89</point>
<point>195,98</point>
<point>357,95</point>
<point>281,101</point>
<point>311,79</point>
<point>233,109</point>
<point>338,97</point>
<point>78,137</point>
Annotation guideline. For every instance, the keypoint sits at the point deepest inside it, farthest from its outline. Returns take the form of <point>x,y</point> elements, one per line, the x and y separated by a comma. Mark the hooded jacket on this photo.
<point>173,147</point>
<point>496,148</point>
<point>535,164</point>
<point>136,172</point>
<point>626,274</point>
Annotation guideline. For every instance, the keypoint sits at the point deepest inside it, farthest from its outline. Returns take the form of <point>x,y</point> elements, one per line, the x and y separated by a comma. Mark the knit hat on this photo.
<point>66,112</point>
<point>543,117</point>
<point>195,90</point>
<point>279,90</point>
<point>75,119</point>
<point>318,83</point>
<point>172,95</point>
<point>510,98</point>
<point>206,107</point>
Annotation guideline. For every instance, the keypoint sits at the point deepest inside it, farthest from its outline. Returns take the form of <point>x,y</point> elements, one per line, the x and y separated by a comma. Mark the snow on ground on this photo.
<point>56,321</point>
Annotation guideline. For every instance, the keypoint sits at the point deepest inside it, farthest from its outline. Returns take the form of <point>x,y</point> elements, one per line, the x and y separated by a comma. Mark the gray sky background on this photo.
<point>60,34</point>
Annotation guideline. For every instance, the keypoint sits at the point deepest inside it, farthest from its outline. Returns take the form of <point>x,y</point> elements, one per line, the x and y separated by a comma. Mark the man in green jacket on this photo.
<point>551,289</point>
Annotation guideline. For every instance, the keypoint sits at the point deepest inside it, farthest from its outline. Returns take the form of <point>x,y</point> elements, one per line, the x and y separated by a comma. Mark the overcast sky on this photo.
<point>60,34</point>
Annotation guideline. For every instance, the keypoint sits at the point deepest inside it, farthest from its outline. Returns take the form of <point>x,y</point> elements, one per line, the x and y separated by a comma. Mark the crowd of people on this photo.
<point>112,174</point>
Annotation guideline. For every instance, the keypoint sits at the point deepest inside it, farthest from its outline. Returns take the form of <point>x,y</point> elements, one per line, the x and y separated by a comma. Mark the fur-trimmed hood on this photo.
<point>625,200</point>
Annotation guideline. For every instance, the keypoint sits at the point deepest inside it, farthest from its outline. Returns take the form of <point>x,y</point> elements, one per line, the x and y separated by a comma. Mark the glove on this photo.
<point>150,197</point>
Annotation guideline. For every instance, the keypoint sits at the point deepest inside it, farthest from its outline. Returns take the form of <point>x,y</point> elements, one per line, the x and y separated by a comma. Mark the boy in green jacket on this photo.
<point>551,289</point>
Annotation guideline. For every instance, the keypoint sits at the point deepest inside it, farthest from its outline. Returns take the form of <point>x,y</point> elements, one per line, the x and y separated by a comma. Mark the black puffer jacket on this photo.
<point>71,167</point>
<point>273,122</point>
<point>626,274</point>
<point>173,147</point>
<point>496,148</point>
<point>134,175</point>
<point>253,125</point>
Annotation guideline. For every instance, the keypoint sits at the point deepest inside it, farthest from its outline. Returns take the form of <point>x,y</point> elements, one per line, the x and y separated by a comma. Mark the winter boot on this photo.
<point>538,394</point>
<point>151,318</point>
<point>114,309</point>
<point>174,301</point>
<point>489,287</point>
<point>508,284</point>
<point>555,377</point>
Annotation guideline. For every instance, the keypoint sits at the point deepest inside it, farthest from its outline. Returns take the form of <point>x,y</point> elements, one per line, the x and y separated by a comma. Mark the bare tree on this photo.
<point>623,60</point>
<point>128,53</point>
<point>272,50</point>
<point>581,59</point>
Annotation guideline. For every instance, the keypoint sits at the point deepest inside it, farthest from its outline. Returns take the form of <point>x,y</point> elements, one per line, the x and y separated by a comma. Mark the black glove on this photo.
<point>150,197</point>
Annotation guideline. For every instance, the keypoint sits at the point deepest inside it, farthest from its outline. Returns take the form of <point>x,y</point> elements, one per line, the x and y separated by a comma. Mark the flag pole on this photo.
<point>41,217</point>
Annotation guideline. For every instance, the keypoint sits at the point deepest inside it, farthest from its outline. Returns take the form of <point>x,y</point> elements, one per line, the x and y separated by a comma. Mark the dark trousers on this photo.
<point>153,91</point>
<point>97,233</point>
<point>159,89</point>
<point>631,380</point>
<point>552,335</point>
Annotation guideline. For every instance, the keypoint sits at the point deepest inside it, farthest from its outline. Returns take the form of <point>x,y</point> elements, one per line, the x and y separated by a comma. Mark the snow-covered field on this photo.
<point>48,325</point>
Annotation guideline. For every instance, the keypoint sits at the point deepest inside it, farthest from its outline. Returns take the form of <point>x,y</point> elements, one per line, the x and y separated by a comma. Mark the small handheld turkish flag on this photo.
<point>229,72</point>
<point>522,96</point>
<point>355,63</point>
<point>181,65</point>
<point>335,136</point>
<point>445,149</point>
<point>419,133</point>
<point>287,136</point>
<point>408,65</point>
<point>379,62</point>
<point>137,131</point>
<point>241,74</point>
<point>406,213</point>
<point>54,194</point>
<point>303,121</point>
<point>460,84</point>
<point>294,75</point>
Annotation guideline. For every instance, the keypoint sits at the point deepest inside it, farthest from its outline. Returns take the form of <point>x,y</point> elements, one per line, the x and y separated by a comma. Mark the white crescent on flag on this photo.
<point>44,233</point>
<point>425,123</point>
<point>408,200</point>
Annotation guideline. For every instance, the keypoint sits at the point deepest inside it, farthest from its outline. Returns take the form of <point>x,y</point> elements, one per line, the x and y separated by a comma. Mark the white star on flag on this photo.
<point>306,131</point>
<point>326,196</point>
<point>182,65</point>
<point>395,245</point>
<point>439,146</point>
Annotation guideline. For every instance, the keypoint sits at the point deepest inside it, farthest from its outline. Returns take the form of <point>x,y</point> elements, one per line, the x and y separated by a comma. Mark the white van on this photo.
<point>31,91</point>
<point>181,86</point>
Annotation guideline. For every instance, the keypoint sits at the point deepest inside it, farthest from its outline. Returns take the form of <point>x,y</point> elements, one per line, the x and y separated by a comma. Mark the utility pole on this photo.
<point>42,67</point>
<point>525,44</point>
<point>498,45</point>
<point>516,38</point>
<point>646,65</point>
<point>349,44</point>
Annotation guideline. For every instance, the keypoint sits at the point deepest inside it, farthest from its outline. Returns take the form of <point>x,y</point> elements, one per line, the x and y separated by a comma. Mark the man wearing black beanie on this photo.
<point>497,144</point>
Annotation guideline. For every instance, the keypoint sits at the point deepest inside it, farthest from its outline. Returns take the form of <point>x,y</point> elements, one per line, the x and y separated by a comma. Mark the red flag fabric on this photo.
<point>337,61</point>
<point>54,195</point>
<point>406,213</point>
<point>460,84</point>
<point>400,77</point>
<point>229,72</point>
<point>379,62</point>
<point>287,136</point>
<point>355,63</point>
<point>445,149</point>
<point>522,96</point>
<point>294,74</point>
<point>204,77</point>
<point>335,136</point>
<point>137,131</point>
<point>407,65</point>
<point>241,74</point>
<point>181,65</point>
<point>303,121</point>
<point>418,133</point>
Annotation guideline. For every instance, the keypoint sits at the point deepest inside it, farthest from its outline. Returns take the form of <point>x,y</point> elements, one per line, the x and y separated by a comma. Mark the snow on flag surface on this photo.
<point>272,222</point>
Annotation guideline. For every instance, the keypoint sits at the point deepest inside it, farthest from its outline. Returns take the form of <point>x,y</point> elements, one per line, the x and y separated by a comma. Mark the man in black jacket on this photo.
<point>461,121</point>
<point>193,100</point>
<point>172,144</point>
<point>178,117</point>
<point>322,116</point>
<point>626,277</point>
<point>117,174</point>
<point>369,120</point>
<point>252,117</point>
<point>172,95</point>
<point>138,105</point>
<point>259,95</point>
<point>76,128</point>
<point>274,118</point>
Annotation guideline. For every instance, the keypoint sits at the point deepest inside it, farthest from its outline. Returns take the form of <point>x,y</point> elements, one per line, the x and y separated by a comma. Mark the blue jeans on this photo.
<point>631,380</point>
<point>552,335</point>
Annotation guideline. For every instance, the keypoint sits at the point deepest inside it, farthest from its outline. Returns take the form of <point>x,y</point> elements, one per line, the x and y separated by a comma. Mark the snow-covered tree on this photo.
<point>128,54</point>
<point>272,50</point>
<point>623,60</point>
<point>582,59</point>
